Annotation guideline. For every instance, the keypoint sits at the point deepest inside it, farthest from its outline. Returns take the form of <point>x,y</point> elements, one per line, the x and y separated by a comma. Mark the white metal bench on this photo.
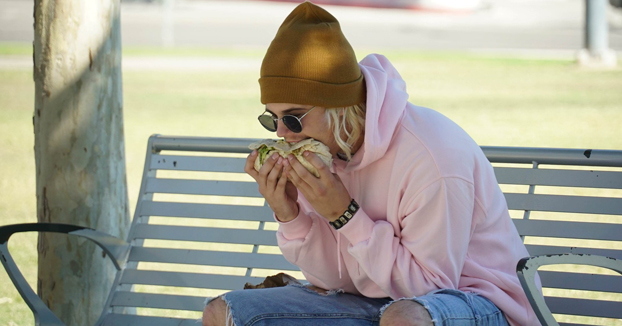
<point>201,228</point>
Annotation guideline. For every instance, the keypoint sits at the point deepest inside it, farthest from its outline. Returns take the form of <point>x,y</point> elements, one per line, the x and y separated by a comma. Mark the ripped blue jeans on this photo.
<point>298,305</point>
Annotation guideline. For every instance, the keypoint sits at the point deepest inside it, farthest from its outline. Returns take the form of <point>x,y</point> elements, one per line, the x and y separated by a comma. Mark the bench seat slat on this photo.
<point>197,163</point>
<point>563,229</point>
<point>537,250</point>
<point>566,204</point>
<point>216,211</point>
<point>579,281</point>
<point>205,234</point>
<point>202,187</point>
<point>564,178</point>
<point>160,301</point>
<point>584,307</point>
<point>191,280</point>
<point>211,258</point>
<point>136,320</point>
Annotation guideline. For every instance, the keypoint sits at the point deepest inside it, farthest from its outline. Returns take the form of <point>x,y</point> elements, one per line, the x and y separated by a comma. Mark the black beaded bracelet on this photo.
<point>346,216</point>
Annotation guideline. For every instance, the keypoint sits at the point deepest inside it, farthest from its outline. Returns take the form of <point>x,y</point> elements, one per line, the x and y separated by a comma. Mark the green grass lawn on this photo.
<point>499,101</point>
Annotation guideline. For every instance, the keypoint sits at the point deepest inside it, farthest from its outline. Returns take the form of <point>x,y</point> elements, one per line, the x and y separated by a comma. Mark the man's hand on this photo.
<point>280,194</point>
<point>326,194</point>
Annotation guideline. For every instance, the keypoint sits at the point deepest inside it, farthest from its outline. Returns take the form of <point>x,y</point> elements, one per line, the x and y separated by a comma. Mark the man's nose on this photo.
<point>282,130</point>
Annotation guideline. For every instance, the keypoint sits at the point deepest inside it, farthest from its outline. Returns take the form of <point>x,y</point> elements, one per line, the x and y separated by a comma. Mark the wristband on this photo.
<point>346,216</point>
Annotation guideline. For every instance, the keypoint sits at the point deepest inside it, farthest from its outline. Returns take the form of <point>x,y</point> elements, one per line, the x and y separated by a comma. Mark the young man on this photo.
<point>407,226</point>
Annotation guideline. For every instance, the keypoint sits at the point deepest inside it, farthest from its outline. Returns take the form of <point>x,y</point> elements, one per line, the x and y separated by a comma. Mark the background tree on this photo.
<point>79,149</point>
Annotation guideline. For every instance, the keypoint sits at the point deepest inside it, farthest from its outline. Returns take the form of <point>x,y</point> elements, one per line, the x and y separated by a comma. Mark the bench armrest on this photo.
<point>527,268</point>
<point>115,248</point>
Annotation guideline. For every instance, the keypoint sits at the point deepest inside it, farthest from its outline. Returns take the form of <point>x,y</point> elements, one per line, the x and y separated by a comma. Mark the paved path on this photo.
<point>540,27</point>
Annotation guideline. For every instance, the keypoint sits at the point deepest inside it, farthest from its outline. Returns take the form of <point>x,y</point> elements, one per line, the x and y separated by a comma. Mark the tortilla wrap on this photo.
<point>267,147</point>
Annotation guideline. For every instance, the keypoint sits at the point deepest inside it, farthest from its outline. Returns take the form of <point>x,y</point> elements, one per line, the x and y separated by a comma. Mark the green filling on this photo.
<point>297,151</point>
<point>263,151</point>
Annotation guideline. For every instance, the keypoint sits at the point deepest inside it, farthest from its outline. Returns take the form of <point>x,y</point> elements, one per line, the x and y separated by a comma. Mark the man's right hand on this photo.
<point>280,194</point>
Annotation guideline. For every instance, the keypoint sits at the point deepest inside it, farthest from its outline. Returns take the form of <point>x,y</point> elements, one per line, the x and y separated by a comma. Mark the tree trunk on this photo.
<point>79,150</point>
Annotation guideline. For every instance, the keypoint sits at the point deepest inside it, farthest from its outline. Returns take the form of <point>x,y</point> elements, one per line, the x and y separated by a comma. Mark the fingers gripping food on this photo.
<point>267,147</point>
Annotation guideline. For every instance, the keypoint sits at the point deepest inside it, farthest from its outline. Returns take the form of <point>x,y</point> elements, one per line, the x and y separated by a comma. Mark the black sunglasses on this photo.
<point>292,123</point>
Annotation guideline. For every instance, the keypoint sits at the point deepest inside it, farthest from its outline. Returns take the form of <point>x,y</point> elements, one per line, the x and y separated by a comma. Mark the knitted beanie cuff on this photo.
<point>310,92</point>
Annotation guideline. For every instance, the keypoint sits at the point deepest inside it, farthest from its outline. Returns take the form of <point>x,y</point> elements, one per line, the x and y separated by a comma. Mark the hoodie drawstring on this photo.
<point>338,252</point>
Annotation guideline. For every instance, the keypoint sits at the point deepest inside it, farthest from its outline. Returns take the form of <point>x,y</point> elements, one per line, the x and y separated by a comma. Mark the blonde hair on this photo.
<point>347,124</point>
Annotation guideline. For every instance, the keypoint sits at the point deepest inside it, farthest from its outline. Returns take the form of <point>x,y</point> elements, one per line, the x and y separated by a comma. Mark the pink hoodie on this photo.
<point>432,214</point>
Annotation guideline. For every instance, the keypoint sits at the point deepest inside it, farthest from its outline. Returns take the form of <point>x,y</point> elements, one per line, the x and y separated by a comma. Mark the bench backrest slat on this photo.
<point>565,229</point>
<point>161,301</point>
<point>191,280</point>
<point>214,258</point>
<point>202,187</point>
<point>567,204</point>
<point>562,178</point>
<point>199,213</point>
<point>204,234</point>
<point>584,307</point>
<point>537,250</point>
<point>197,163</point>
<point>580,281</point>
<point>207,211</point>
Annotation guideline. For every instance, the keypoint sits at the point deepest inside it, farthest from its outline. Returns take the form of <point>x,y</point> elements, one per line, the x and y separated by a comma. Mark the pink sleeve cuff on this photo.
<point>359,228</point>
<point>297,228</point>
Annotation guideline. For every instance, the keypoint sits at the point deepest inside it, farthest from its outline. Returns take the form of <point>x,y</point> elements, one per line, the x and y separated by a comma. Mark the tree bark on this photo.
<point>79,150</point>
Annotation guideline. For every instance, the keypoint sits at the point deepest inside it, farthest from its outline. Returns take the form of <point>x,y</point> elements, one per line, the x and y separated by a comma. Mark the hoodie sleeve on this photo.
<point>427,252</point>
<point>309,243</point>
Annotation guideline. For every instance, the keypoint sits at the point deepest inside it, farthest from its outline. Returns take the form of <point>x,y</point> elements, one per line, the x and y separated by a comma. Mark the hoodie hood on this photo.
<point>386,101</point>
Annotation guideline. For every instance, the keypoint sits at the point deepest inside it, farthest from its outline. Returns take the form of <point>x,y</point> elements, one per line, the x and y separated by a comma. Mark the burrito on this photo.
<point>267,147</point>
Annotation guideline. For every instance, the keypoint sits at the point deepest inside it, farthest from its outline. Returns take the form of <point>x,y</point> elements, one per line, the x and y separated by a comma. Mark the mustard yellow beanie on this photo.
<point>310,62</point>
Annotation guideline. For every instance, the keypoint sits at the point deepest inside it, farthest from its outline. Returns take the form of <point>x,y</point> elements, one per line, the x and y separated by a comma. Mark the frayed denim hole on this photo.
<point>208,300</point>
<point>333,292</point>
<point>230,319</point>
<point>383,308</point>
<point>228,314</point>
<point>328,293</point>
<point>298,285</point>
<point>415,300</point>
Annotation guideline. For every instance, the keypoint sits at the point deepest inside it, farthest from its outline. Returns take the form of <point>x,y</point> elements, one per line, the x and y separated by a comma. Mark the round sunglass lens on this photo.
<point>292,123</point>
<point>267,122</point>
